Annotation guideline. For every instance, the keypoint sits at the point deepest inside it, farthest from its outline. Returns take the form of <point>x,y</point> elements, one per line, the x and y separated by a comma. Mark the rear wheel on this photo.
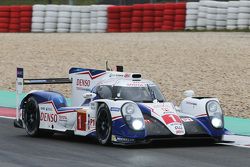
<point>32,119</point>
<point>103,125</point>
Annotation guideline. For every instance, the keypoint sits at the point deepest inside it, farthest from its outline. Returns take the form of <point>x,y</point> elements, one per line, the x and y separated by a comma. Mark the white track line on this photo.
<point>238,141</point>
<point>7,117</point>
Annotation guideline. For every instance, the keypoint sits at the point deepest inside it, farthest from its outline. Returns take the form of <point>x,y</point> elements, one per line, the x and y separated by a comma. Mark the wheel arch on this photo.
<point>43,96</point>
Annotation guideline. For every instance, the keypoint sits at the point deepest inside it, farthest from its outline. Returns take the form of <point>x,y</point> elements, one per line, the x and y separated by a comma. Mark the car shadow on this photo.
<point>153,145</point>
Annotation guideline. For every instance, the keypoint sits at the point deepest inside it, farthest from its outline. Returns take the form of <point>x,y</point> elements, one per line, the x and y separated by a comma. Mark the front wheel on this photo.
<point>103,125</point>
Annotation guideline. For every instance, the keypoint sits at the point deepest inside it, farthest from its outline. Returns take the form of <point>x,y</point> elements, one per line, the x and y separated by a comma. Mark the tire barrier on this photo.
<point>15,18</point>
<point>148,18</point>
<point>113,19</point>
<point>232,15</point>
<point>4,18</point>
<point>217,15</point>
<point>168,18</point>
<point>38,15</point>
<point>158,17</point>
<point>101,18</point>
<point>203,15</point>
<point>191,15</point>
<point>50,19</point>
<point>137,18</point>
<point>25,18</point>
<point>125,18</point>
<point>180,16</point>
<point>85,19</point>
<point>243,15</point>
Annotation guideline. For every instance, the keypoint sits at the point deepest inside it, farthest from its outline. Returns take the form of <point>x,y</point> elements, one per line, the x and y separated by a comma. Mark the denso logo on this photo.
<point>48,117</point>
<point>83,83</point>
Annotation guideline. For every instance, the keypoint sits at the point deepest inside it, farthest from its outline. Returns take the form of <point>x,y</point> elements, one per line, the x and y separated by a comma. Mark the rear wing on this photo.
<point>21,81</point>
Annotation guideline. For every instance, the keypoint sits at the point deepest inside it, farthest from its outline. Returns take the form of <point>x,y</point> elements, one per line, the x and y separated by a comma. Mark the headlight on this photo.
<point>137,124</point>
<point>133,116</point>
<point>129,109</point>
<point>213,106</point>
<point>216,122</point>
<point>215,114</point>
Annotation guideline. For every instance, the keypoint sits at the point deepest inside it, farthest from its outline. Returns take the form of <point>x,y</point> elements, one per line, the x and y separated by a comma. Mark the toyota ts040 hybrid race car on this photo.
<point>115,107</point>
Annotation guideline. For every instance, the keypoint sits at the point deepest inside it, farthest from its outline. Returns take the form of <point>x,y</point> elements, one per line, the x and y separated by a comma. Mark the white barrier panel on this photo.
<point>38,15</point>
<point>232,15</point>
<point>192,15</point>
<point>50,20</point>
<point>217,15</point>
<point>243,15</point>
<point>85,18</point>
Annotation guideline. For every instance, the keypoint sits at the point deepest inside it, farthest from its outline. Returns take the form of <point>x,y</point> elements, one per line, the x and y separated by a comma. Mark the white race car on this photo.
<point>115,107</point>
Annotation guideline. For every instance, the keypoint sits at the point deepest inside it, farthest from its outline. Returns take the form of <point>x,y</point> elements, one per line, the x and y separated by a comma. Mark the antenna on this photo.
<point>107,66</point>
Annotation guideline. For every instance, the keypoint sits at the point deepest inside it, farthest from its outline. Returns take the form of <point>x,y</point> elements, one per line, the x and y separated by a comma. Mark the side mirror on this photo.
<point>188,93</point>
<point>89,95</point>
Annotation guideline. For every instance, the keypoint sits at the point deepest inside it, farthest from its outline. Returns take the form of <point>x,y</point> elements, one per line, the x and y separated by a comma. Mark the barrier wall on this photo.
<point>203,15</point>
<point>15,18</point>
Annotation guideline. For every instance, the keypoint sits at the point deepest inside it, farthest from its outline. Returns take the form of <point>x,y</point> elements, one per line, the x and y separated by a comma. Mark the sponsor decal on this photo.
<point>178,128</point>
<point>113,138</point>
<point>115,109</point>
<point>187,119</point>
<point>121,139</point>
<point>171,118</point>
<point>81,121</point>
<point>167,111</point>
<point>136,84</point>
<point>147,121</point>
<point>19,72</point>
<point>47,108</point>
<point>82,83</point>
<point>91,123</point>
<point>126,75</point>
<point>188,102</point>
<point>48,117</point>
<point>116,75</point>
<point>62,118</point>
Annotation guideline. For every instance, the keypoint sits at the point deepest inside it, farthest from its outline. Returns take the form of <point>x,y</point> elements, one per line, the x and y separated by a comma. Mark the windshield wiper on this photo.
<point>147,101</point>
<point>152,93</point>
<point>118,98</point>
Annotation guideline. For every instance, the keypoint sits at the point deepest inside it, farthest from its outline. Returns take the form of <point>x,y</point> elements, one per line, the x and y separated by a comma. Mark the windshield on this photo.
<point>138,94</point>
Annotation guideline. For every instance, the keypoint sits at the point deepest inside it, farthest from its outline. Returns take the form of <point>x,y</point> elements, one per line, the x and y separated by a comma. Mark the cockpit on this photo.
<point>142,93</point>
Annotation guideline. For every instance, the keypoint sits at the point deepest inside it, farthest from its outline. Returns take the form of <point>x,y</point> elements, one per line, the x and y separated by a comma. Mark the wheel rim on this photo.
<point>103,125</point>
<point>31,116</point>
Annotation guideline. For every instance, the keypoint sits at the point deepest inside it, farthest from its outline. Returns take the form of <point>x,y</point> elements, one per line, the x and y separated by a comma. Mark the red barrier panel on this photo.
<point>158,16</point>
<point>137,18</point>
<point>113,19</point>
<point>25,18</point>
<point>15,18</point>
<point>125,18</point>
<point>168,18</point>
<point>180,16</point>
<point>147,17</point>
<point>4,18</point>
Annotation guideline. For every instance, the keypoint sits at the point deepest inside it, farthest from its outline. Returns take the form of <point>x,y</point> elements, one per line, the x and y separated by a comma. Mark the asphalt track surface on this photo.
<point>17,149</point>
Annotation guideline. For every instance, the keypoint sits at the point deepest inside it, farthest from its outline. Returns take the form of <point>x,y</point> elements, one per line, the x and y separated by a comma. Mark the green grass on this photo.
<point>31,2</point>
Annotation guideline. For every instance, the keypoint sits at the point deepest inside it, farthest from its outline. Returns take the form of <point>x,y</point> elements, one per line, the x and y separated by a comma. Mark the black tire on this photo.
<point>103,125</point>
<point>32,119</point>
